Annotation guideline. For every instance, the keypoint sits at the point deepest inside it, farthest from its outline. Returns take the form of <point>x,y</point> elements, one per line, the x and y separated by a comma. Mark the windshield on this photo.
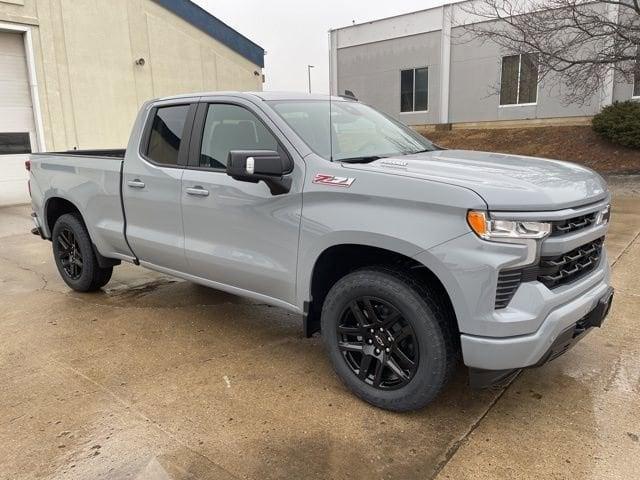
<point>359,131</point>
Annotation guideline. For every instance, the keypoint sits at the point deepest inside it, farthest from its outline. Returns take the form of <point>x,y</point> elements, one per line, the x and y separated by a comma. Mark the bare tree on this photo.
<point>579,45</point>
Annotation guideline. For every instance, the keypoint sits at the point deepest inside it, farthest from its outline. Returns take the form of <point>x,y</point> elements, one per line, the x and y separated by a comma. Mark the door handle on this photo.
<point>197,191</point>
<point>135,183</point>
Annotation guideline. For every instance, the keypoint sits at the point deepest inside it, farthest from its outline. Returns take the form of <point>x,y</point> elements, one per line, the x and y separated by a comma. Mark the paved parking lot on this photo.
<point>156,378</point>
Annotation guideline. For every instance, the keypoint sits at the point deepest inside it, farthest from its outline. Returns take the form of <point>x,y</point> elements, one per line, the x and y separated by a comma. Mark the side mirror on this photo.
<point>256,165</point>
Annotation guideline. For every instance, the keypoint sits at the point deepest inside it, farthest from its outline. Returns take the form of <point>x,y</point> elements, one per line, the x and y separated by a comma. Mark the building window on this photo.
<point>519,80</point>
<point>414,90</point>
<point>636,76</point>
<point>13,143</point>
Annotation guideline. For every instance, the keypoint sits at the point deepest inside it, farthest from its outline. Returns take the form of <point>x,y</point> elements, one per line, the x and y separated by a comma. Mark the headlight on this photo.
<point>505,230</point>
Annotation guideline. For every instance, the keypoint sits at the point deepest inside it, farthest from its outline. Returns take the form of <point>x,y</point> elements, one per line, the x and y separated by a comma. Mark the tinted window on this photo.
<point>519,79</point>
<point>229,127</point>
<point>422,90</point>
<point>406,90</point>
<point>636,76</point>
<point>414,90</point>
<point>509,80</point>
<point>528,78</point>
<point>12,143</point>
<point>166,134</point>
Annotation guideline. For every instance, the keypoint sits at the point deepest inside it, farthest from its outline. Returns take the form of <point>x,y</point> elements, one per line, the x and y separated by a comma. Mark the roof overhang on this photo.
<point>215,28</point>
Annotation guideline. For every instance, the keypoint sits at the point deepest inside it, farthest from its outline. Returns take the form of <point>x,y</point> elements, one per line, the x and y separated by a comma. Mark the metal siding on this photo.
<point>475,77</point>
<point>622,89</point>
<point>217,29</point>
<point>403,25</point>
<point>372,72</point>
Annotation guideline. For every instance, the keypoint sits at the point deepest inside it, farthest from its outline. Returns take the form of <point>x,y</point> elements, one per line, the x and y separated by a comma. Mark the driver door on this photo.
<point>238,234</point>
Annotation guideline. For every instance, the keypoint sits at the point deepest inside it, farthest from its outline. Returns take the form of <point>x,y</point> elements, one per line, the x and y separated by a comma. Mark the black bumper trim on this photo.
<point>480,378</point>
<point>310,321</point>
<point>37,230</point>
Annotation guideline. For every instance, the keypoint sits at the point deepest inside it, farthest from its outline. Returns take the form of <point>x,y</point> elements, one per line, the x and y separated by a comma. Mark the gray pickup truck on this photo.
<point>404,255</point>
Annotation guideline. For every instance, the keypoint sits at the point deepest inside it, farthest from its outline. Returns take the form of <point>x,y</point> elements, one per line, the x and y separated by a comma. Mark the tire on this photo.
<point>74,255</point>
<point>420,359</point>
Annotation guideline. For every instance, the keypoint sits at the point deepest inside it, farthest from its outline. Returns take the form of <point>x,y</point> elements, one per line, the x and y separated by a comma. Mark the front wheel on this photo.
<point>388,337</point>
<point>74,256</point>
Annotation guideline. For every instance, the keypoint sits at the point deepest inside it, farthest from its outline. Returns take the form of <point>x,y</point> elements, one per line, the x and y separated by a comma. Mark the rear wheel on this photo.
<point>74,255</point>
<point>388,337</point>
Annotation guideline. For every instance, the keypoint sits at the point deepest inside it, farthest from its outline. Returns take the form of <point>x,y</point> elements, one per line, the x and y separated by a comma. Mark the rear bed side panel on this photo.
<point>92,184</point>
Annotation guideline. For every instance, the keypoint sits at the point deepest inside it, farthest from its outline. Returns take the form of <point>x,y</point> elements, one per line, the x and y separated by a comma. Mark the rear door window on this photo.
<point>165,137</point>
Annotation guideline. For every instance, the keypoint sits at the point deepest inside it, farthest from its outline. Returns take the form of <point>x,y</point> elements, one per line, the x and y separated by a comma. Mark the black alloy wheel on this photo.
<point>69,254</point>
<point>378,344</point>
<point>390,337</point>
<point>74,255</point>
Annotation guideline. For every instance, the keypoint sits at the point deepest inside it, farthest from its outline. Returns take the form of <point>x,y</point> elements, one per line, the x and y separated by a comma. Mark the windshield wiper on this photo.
<point>433,148</point>
<point>422,151</point>
<point>365,159</point>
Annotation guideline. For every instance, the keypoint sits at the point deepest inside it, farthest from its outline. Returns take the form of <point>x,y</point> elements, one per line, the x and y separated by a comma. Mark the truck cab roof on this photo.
<point>266,96</point>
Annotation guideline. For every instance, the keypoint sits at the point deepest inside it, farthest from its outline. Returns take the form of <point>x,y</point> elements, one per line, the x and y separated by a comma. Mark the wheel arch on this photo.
<point>54,208</point>
<point>338,260</point>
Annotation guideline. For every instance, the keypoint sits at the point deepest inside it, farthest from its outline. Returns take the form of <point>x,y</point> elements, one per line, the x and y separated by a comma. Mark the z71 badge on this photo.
<point>333,181</point>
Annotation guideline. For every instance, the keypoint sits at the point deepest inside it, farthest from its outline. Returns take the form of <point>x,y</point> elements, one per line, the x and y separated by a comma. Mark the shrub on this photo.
<point>620,123</point>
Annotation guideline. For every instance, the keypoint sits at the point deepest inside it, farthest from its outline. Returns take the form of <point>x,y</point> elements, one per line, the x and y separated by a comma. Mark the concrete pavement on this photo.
<point>156,378</point>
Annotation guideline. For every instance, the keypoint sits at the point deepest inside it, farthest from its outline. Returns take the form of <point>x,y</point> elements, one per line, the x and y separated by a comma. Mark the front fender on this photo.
<point>311,253</point>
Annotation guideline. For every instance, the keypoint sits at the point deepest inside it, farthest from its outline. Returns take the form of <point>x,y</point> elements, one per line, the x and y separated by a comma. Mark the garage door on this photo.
<point>17,131</point>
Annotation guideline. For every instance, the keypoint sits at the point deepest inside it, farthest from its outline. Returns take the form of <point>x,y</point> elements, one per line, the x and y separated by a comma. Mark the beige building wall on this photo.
<point>85,53</point>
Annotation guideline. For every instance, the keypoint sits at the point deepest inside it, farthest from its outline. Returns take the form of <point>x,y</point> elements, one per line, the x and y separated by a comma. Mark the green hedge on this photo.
<point>620,123</point>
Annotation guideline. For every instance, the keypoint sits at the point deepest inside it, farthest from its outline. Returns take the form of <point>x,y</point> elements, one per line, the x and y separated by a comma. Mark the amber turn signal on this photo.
<point>478,222</point>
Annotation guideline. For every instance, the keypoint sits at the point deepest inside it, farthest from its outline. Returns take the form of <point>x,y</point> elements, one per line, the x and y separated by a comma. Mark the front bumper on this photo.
<point>563,342</point>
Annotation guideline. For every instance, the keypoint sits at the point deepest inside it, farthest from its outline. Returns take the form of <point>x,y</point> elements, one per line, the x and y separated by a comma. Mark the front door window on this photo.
<point>230,127</point>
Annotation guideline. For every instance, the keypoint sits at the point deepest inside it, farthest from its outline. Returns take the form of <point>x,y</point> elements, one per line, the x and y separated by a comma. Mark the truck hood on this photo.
<point>505,182</point>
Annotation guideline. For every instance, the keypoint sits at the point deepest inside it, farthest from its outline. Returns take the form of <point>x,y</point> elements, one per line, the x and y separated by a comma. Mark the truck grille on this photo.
<point>570,266</point>
<point>553,272</point>
<point>574,224</point>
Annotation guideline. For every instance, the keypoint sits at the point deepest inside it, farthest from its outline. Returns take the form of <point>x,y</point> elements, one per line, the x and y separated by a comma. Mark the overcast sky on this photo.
<point>294,32</point>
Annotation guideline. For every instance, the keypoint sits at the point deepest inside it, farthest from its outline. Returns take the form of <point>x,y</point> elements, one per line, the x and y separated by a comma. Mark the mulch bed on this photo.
<point>574,144</point>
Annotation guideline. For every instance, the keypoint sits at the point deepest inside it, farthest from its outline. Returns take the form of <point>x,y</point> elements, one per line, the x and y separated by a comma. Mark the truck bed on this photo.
<point>91,181</point>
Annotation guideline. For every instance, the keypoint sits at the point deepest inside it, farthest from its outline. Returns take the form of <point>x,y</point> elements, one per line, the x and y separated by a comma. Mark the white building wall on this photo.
<point>468,71</point>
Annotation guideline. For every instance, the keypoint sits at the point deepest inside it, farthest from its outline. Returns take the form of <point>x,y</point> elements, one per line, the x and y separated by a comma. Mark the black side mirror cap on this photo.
<point>260,165</point>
